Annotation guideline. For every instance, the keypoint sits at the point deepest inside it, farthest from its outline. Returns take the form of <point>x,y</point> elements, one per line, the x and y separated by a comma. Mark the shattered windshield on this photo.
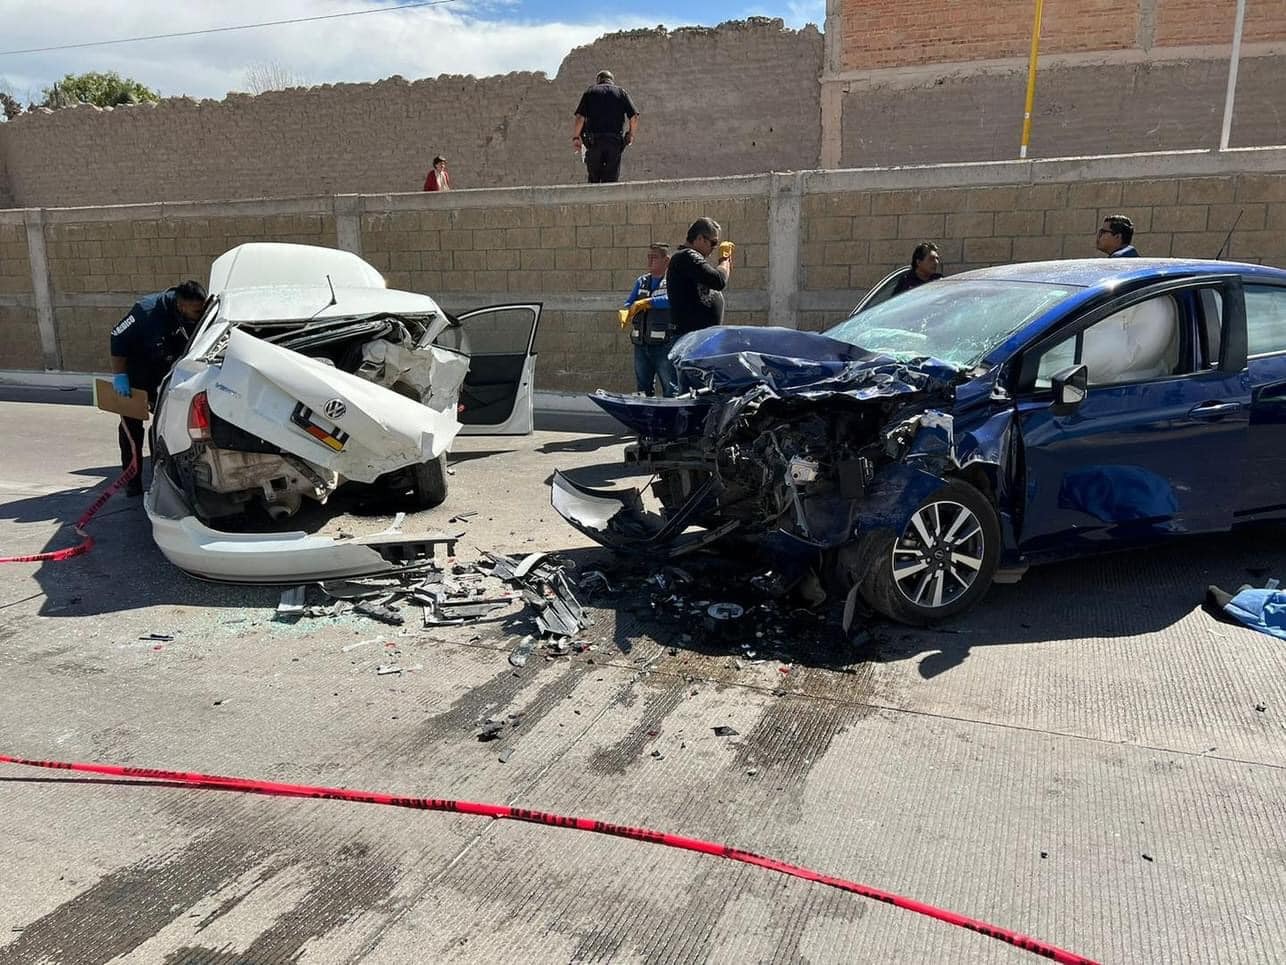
<point>956,321</point>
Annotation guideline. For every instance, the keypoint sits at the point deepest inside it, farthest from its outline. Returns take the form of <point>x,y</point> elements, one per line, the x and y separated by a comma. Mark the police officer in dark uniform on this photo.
<point>599,127</point>
<point>144,347</point>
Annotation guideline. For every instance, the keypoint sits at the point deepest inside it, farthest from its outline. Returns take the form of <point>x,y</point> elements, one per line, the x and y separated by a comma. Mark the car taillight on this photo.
<point>199,418</point>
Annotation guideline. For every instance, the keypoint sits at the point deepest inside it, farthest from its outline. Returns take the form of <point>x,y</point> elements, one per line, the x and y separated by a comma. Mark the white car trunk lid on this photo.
<point>266,390</point>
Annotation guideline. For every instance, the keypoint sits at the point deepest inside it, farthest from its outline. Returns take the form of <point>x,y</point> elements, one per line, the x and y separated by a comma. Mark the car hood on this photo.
<point>732,358</point>
<point>723,364</point>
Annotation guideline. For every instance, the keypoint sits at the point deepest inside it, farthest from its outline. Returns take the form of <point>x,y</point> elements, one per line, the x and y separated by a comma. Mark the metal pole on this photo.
<point>1232,75</point>
<point>1031,80</point>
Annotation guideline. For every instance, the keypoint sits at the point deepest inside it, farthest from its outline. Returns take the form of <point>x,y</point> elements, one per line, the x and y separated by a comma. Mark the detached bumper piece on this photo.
<point>544,586</point>
<point>616,518</point>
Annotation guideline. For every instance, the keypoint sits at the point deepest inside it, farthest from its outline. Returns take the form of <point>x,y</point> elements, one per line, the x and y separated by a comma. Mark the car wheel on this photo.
<point>941,564</point>
<point>429,482</point>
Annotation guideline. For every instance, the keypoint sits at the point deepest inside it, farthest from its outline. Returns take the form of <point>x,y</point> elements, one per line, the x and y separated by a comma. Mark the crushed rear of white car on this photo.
<point>305,373</point>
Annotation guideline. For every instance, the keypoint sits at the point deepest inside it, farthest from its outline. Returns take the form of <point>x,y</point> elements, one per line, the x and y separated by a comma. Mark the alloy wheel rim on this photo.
<point>939,555</point>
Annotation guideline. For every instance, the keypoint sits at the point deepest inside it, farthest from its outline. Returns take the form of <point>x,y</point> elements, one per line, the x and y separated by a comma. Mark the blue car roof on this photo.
<point>1096,277</point>
<point>1112,272</point>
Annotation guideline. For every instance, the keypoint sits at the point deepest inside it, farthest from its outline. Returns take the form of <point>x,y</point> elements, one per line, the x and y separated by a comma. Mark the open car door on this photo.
<point>880,292</point>
<point>498,396</point>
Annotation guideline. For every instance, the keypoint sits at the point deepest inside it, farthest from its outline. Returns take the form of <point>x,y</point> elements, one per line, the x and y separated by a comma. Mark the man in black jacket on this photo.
<point>926,266</point>
<point>598,125</point>
<point>696,299</point>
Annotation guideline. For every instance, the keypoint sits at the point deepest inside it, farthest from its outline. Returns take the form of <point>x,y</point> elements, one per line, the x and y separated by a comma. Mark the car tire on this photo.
<point>429,483</point>
<point>941,564</point>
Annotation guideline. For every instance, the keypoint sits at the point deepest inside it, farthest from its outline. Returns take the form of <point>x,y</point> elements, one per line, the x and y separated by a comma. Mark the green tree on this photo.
<point>101,90</point>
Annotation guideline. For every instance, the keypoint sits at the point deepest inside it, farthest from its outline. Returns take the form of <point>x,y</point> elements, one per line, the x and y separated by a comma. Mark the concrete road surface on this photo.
<point>1087,758</point>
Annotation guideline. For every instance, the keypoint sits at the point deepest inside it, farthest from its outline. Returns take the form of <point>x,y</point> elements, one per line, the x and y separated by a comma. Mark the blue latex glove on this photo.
<point>120,382</point>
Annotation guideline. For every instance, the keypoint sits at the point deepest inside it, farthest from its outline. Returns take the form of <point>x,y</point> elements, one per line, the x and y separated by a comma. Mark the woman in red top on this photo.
<point>438,179</point>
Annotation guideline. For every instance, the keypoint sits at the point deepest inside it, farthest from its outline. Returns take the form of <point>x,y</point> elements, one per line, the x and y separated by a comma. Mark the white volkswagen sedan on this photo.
<point>305,372</point>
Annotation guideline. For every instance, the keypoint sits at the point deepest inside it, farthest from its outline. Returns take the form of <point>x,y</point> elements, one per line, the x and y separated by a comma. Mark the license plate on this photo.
<point>332,437</point>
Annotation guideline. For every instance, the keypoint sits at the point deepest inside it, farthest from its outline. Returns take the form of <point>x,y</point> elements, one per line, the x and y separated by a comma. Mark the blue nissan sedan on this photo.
<point>951,436</point>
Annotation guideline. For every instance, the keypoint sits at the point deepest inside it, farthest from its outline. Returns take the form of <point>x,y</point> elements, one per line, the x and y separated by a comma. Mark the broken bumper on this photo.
<point>283,557</point>
<point>616,518</point>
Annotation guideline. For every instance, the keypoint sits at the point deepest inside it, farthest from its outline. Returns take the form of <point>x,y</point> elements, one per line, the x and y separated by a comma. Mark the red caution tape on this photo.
<point>86,541</point>
<point>272,788</point>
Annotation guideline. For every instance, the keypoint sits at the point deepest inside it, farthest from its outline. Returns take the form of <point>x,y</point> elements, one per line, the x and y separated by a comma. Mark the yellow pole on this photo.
<point>1031,80</point>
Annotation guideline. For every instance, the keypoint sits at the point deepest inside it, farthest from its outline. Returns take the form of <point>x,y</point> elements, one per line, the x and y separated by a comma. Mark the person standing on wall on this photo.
<point>438,179</point>
<point>144,346</point>
<point>647,310</point>
<point>695,287</point>
<point>1115,236</point>
<point>599,128</point>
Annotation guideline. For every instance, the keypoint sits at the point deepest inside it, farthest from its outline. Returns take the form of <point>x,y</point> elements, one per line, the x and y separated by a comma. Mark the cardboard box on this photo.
<point>106,398</point>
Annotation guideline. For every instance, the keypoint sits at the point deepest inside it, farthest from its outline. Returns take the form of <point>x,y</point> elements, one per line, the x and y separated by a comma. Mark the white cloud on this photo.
<point>800,12</point>
<point>795,13</point>
<point>463,37</point>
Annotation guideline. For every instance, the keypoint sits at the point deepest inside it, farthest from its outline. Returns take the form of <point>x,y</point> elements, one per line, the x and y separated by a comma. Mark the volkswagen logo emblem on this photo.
<point>335,409</point>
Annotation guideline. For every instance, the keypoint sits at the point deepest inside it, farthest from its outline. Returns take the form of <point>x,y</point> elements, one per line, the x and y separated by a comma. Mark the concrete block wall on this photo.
<point>20,346</point>
<point>1080,110</point>
<point>735,99</point>
<point>809,244</point>
<point>901,85</point>
<point>99,260</point>
<point>575,253</point>
<point>857,226</point>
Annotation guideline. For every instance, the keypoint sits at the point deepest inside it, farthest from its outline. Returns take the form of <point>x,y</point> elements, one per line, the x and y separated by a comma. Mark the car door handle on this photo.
<point>1209,411</point>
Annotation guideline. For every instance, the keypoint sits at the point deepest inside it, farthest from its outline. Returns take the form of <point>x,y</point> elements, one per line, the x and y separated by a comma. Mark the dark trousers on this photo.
<point>652,363</point>
<point>131,429</point>
<point>603,159</point>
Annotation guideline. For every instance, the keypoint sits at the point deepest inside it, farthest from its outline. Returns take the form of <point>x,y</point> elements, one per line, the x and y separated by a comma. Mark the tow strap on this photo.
<point>86,541</point>
<point>275,789</point>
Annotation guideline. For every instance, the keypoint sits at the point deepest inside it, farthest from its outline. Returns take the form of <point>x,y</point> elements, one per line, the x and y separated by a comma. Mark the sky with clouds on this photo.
<point>458,37</point>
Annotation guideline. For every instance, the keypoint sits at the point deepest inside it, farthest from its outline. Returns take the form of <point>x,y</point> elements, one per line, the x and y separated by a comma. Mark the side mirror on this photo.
<point>1070,387</point>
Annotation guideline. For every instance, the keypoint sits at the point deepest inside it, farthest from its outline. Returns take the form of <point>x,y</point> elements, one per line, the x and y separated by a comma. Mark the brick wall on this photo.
<point>1199,22</point>
<point>875,33</point>
<point>739,98</point>
<point>578,249</point>
<point>911,85</point>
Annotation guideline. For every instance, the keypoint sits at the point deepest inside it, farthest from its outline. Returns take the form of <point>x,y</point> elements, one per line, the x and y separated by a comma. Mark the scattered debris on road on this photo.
<point>292,601</point>
<point>523,651</point>
<point>379,611</point>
